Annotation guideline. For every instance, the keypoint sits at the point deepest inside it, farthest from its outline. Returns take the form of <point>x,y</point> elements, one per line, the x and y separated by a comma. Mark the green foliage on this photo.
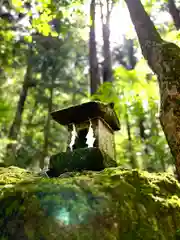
<point>137,98</point>
<point>57,34</point>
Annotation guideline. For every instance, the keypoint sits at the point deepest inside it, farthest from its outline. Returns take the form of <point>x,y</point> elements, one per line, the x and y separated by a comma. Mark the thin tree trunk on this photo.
<point>175,13</point>
<point>16,124</point>
<point>38,93</point>
<point>15,127</point>
<point>131,154</point>
<point>32,114</point>
<point>44,78</point>
<point>155,132</point>
<point>47,127</point>
<point>143,135</point>
<point>107,64</point>
<point>164,59</point>
<point>95,80</point>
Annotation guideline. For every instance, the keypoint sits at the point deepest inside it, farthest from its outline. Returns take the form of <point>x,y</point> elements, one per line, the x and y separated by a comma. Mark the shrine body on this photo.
<point>91,129</point>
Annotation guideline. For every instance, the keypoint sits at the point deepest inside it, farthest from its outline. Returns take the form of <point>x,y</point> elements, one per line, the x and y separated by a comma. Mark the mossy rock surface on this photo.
<point>113,204</point>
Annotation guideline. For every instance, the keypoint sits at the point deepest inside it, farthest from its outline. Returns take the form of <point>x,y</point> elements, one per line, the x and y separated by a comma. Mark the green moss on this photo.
<point>112,204</point>
<point>80,159</point>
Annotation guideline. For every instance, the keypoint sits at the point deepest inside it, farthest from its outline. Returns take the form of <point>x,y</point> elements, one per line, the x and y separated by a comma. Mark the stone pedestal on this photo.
<point>92,159</point>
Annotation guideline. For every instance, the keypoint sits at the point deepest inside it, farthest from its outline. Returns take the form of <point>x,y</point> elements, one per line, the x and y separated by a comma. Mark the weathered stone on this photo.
<point>103,119</point>
<point>80,159</point>
<point>96,119</point>
<point>112,204</point>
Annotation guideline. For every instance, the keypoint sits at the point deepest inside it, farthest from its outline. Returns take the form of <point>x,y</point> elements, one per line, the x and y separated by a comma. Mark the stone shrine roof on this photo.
<point>83,112</point>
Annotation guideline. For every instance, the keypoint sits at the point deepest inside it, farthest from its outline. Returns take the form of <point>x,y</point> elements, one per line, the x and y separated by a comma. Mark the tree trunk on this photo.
<point>131,154</point>
<point>16,124</point>
<point>175,13</point>
<point>107,64</point>
<point>164,59</point>
<point>144,137</point>
<point>95,80</point>
<point>33,112</point>
<point>15,127</point>
<point>47,128</point>
<point>45,78</point>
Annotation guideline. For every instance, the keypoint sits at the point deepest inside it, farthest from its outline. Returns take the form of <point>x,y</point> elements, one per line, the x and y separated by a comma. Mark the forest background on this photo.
<point>54,54</point>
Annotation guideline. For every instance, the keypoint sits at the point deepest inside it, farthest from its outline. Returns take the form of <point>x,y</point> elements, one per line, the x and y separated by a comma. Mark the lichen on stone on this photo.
<point>111,204</point>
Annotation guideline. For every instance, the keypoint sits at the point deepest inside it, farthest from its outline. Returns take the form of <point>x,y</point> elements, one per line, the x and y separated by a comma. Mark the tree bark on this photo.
<point>107,64</point>
<point>95,80</point>
<point>164,59</point>
<point>175,13</point>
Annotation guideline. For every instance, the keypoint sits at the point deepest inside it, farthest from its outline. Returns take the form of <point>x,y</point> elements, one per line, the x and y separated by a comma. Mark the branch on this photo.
<point>175,13</point>
<point>147,34</point>
<point>142,22</point>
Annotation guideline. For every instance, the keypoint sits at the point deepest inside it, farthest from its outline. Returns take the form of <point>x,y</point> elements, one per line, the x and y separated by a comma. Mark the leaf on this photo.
<point>28,39</point>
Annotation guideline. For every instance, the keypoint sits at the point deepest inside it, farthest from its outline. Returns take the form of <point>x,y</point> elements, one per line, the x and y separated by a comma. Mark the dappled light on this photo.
<point>70,207</point>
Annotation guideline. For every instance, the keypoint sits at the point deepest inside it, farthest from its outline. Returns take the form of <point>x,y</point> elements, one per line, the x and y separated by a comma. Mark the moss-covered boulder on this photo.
<point>108,205</point>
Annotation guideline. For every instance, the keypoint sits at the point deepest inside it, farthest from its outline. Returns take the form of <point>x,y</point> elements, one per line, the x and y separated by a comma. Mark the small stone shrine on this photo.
<point>91,143</point>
